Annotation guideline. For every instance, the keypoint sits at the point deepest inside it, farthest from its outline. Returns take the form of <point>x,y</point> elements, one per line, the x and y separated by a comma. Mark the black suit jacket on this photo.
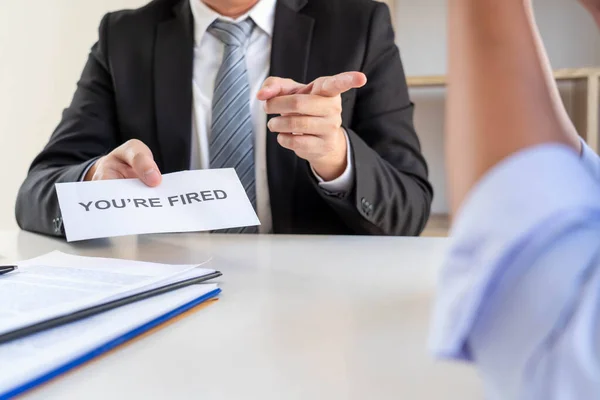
<point>137,83</point>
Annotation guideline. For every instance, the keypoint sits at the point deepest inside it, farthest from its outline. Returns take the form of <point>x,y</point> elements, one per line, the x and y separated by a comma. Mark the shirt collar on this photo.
<point>263,15</point>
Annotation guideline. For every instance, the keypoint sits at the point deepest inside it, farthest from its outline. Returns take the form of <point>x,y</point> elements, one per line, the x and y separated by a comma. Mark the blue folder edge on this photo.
<point>107,346</point>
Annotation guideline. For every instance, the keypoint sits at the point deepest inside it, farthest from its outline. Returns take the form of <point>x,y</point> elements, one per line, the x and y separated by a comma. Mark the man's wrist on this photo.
<point>330,168</point>
<point>88,174</point>
<point>344,182</point>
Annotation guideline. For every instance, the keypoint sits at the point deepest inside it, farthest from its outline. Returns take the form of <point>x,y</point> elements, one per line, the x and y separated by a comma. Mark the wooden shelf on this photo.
<point>561,75</point>
<point>586,105</point>
<point>437,226</point>
<point>576,73</point>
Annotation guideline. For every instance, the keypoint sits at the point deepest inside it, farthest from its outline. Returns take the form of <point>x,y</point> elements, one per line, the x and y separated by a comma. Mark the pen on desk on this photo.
<point>4,269</point>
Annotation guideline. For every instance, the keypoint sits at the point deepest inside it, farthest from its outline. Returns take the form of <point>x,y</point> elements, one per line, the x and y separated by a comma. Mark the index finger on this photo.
<point>331,86</point>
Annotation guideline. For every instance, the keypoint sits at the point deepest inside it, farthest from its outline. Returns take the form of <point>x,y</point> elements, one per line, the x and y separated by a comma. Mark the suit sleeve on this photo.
<point>87,130</point>
<point>391,194</point>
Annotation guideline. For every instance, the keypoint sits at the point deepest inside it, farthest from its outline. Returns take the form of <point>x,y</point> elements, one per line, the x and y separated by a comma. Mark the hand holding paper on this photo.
<point>184,202</point>
<point>132,159</point>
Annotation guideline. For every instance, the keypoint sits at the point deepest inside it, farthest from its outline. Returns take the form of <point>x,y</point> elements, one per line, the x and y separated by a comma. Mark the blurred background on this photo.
<point>44,45</point>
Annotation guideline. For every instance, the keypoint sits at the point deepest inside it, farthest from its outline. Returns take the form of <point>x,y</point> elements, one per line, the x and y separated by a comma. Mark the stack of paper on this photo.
<point>57,284</point>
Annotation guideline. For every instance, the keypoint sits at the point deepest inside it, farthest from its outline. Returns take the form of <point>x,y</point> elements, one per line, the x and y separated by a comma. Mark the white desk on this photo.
<point>299,318</point>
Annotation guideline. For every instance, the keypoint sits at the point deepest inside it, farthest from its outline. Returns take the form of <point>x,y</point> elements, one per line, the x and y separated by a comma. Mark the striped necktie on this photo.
<point>231,143</point>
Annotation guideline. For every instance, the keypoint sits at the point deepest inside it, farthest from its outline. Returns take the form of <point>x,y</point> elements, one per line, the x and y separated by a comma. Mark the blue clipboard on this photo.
<point>110,345</point>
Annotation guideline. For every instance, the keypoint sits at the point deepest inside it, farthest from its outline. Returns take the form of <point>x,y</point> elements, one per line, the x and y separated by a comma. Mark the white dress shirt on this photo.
<point>208,56</point>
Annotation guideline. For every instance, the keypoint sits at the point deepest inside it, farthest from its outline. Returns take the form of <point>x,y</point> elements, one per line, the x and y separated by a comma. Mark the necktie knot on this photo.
<point>231,33</point>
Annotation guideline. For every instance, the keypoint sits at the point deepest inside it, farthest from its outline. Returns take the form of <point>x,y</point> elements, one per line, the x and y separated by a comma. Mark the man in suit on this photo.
<point>181,84</point>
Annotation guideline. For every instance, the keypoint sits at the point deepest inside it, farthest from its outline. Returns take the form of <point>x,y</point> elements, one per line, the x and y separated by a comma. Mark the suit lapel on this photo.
<point>173,69</point>
<point>292,35</point>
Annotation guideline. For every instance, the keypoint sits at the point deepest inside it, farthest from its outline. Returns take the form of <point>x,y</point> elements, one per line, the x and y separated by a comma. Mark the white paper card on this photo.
<point>184,202</point>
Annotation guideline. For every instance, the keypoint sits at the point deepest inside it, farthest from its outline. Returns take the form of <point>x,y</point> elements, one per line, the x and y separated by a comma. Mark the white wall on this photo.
<point>569,33</point>
<point>43,47</point>
<point>44,44</point>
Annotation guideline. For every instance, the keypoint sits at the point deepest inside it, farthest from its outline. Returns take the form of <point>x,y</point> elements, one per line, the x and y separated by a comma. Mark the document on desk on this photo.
<point>57,284</point>
<point>187,201</point>
<point>30,361</point>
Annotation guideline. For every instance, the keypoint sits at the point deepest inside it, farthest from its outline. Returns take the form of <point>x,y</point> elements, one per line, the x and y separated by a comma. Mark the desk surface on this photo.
<point>299,318</point>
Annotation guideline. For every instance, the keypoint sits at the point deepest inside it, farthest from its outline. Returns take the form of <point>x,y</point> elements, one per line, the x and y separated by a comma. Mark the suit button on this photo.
<point>57,224</point>
<point>366,206</point>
